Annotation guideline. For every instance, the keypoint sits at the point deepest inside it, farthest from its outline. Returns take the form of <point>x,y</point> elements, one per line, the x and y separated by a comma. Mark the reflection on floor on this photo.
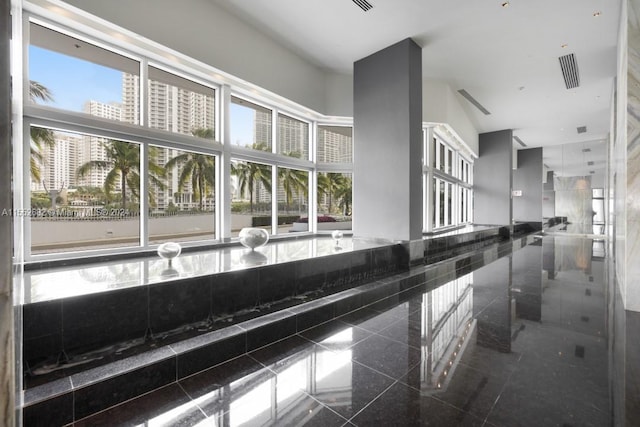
<point>520,342</point>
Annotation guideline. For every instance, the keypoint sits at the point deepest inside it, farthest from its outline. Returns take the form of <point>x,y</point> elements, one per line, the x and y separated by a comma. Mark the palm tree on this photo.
<point>200,168</point>
<point>345,195</point>
<point>123,160</point>
<point>329,184</point>
<point>250,174</point>
<point>293,181</point>
<point>40,137</point>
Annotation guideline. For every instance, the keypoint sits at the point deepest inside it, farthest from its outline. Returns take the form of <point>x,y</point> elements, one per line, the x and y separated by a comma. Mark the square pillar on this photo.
<point>387,196</point>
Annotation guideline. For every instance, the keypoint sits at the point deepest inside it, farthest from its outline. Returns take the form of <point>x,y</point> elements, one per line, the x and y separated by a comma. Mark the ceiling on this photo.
<point>506,57</point>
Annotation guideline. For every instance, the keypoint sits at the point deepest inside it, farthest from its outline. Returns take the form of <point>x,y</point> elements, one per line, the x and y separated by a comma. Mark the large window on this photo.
<point>181,195</point>
<point>132,147</point>
<point>251,125</point>
<point>180,105</point>
<point>448,181</point>
<point>251,195</point>
<point>71,74</point>
<point>85,192</point>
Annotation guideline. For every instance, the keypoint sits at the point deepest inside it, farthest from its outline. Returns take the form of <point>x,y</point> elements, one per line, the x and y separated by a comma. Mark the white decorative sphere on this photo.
<point>169,250</point>
<point>337,236</point>
<point>253,237</point>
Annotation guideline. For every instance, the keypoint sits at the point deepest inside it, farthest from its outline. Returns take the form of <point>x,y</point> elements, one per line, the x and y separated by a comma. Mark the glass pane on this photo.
<point>293,137</point>
<point>449,162</point>
<point>71,74</point>
<point>462,205</point>
<point>441,221</point>
<point>434,199</point>
<point>181,195</point>
<point>250,196</point>
<point>598,210</point>
<point>598,192</point>
<point>335,196</point>
<point>250,125</point>
<point>335,144</point>
<point>84,192</point>
<point>180,105</point>
<point>293,197</point>
<point>450,204</point>
<point>441,158</point>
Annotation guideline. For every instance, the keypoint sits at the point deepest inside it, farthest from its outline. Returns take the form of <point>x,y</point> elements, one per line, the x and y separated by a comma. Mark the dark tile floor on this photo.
<point>520,342</point>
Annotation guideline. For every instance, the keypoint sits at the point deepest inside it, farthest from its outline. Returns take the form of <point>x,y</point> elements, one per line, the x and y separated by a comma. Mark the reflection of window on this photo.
<point>335,144</point>
<point>73,75</point>
<point>251,125</point>
<point>597,203</point>
<point>180,105</point>
<point>254,406</point>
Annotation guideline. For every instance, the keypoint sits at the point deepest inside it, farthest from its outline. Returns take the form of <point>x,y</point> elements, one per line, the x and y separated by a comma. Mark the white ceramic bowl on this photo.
<point>253,237</point>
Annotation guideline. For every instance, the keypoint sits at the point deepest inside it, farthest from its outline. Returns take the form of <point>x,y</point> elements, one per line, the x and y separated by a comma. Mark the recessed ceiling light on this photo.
<point>596,14</point>
<point>521,88</point>
<point>564,45</point>
<point>505,4</point>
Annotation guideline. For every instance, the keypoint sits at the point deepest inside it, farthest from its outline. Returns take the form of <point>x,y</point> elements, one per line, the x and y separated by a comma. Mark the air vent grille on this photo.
<point>582,129</point>
<point>475,103</point>
<point>569,68</point>
<point>586,150</point>
<point>519,141</point>
<point>590,163</point>
<point>363,4</point>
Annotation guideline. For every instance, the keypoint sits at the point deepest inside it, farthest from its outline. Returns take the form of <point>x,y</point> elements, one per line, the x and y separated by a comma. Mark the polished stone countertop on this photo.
<point>68,281</point>
<point>64,282</point>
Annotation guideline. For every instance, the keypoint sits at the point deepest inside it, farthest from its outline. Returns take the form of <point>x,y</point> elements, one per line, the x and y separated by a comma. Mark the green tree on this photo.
<point>293,181</point>
<point>329,184</point>
<point>40,137</point>
<point>199,168</point>
<point>344,194</point>
<point>250,174</point>
<point>123,163</point>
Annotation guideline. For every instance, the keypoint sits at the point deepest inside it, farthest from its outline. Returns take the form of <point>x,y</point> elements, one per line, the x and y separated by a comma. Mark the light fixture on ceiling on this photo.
<point>564,45</point>
<point>519,141</point>
<point>581,129</point>
<point>473,101</point>
<point>505,4</point>
<point>597,14</point>
<point>590,163</point>
<point>592,172</point>
<point>586,150</point>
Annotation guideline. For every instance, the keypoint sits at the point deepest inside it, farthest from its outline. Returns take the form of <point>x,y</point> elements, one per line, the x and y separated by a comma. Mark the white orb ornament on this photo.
<point>337,236</point>
<point>253,237</point>
<point>169,251</point>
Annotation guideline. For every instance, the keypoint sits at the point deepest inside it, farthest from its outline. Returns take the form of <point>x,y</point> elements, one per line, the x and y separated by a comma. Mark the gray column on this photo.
<point>7,343</point>
<point>387,196</point>
<point>528,179</point>
<point>492,178</point>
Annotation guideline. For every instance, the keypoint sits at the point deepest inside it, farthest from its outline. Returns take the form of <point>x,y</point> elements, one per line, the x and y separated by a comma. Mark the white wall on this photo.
<point>440,104</point>
<point>208,33</point>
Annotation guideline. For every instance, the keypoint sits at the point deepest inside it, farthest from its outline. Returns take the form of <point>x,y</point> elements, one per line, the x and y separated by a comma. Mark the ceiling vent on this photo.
<point>586,150</point>
<point>582,129</point>
<point>590,163</point>
<point>475,103</point>
<point>363,4</point>
<point>569,68</point>
<point>519,141</point>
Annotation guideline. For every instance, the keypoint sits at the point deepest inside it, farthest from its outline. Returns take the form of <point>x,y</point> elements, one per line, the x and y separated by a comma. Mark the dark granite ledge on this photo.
<point>100,388</point>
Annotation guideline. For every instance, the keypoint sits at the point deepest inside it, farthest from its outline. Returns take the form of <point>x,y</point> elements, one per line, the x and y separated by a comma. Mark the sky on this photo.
<point>74,81</point>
